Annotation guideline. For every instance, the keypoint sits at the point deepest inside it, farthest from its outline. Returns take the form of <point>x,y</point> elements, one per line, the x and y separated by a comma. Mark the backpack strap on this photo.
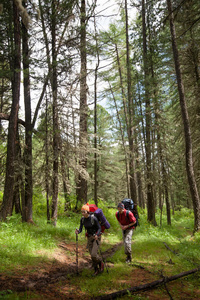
<point>92,219</point>
<point>127,215</point>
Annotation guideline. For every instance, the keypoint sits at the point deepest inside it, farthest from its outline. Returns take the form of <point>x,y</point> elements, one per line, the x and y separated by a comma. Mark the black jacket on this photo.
<point>91,225</point>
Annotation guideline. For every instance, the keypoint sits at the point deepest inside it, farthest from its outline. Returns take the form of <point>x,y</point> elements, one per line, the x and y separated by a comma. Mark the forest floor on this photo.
<point>52,280</point>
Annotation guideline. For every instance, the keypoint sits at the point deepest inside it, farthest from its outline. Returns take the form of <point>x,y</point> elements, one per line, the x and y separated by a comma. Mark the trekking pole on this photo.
<point>102,257</point>
<point>76,253</point>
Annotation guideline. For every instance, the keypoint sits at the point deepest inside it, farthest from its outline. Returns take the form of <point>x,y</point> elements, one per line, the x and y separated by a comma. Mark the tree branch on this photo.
<point>147,286</point>
<point>20,121</point>
<point>170,249</point>
<point>7,117</point>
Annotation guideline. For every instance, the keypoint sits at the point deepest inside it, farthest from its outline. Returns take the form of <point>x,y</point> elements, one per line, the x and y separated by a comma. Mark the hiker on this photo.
<point>93,233</point>
<point>126,220</point>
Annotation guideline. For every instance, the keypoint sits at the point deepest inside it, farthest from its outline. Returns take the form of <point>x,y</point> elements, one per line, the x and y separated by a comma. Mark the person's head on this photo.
<point>120,207</point>
<point>85,210</point>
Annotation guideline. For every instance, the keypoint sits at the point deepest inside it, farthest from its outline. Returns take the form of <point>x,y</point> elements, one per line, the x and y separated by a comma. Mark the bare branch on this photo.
<point>7,117</point>
<point>147,286</point>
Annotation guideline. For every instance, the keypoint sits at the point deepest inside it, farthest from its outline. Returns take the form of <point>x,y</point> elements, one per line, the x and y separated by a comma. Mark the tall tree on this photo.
<point>150,200</point>
<point>83,139</point>
<point>55,116</point>
<point>186,124</point>
<point>95,116</point>
<point>7,204</point>
<point>47,161</point>
<point>56,28</point>
<point>133,190</point>
<point>27,209</point>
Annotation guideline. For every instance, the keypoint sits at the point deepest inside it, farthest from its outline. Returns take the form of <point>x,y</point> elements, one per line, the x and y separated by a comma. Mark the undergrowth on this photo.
<point>165,249</point>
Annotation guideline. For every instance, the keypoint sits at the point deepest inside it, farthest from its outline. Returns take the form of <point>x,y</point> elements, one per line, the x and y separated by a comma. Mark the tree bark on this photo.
<point>7,204</point>
<point>123,142</point>
<point>65,176</point>
<point>186,124</point>
<point>19,184</point>
<point>163,171</point>
<point>82,184</point>
<point>28,213</point>
<point>95,120</point>
<point>126,120</point>
<point>47,161</point>
<point>133,189</point>
<point>150,200</point>
<point>54,206</point>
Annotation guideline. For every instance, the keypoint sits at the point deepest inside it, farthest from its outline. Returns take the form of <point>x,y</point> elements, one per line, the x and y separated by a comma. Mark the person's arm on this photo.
<point>117,216</point>
<point>132,220</point>
<point>128,226</point>
<point>98,233</point>
<point>77,231</point>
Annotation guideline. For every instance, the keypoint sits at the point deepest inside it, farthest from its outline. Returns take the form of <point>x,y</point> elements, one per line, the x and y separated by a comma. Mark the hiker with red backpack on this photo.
<point>127,221</point>
<point>93,233</point>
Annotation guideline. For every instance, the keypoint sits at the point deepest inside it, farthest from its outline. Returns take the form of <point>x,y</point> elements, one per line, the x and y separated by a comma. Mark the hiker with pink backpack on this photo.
<point>93,233</point>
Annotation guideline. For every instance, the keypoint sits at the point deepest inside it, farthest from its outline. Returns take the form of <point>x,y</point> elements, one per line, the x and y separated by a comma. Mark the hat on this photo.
<point>85,207</point>
<point>120,205</point>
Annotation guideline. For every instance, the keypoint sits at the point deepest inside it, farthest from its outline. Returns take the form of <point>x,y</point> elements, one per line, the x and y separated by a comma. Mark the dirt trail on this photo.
<point>48,275</point>
<point>52,280</point>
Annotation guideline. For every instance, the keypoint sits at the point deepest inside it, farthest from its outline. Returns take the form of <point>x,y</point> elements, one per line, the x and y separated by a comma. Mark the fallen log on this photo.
<point>146,286</point>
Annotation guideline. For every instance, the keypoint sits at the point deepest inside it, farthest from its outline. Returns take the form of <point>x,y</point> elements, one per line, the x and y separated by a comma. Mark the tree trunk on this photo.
<point>95,120</point>
<point>54,207</point>
<point>18,176</point>
<point>95,140</point>
<point>65,176</point>
<point>47,162</point>
<point>186,124</point>
<point>142,140</point>
<point>126,120</point>
<point>150,200</point>
<point>7,204</point>
<point>123,142</point>
<point>164,180</point>
<point>133,190</point>
<point>28,129</point>
<point>82,184</point>
<point>139,177</point>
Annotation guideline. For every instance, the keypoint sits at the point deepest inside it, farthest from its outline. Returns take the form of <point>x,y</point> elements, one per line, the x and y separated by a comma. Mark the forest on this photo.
<point>99,101</point>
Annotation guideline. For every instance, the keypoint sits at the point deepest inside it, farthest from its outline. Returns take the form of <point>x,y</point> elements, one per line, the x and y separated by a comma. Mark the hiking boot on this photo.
<point>101,267</point>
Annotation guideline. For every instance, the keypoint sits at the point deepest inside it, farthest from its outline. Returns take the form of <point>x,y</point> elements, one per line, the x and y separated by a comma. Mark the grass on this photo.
<point>21,242</point>
<point>23,245</point>
<point>149,251</point>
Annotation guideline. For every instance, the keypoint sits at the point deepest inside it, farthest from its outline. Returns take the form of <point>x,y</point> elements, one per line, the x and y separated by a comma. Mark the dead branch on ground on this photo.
<point>147,286</point>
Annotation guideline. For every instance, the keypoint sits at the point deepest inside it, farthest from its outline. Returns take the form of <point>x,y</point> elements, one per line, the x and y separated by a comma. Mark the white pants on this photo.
<point>127,238</point>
